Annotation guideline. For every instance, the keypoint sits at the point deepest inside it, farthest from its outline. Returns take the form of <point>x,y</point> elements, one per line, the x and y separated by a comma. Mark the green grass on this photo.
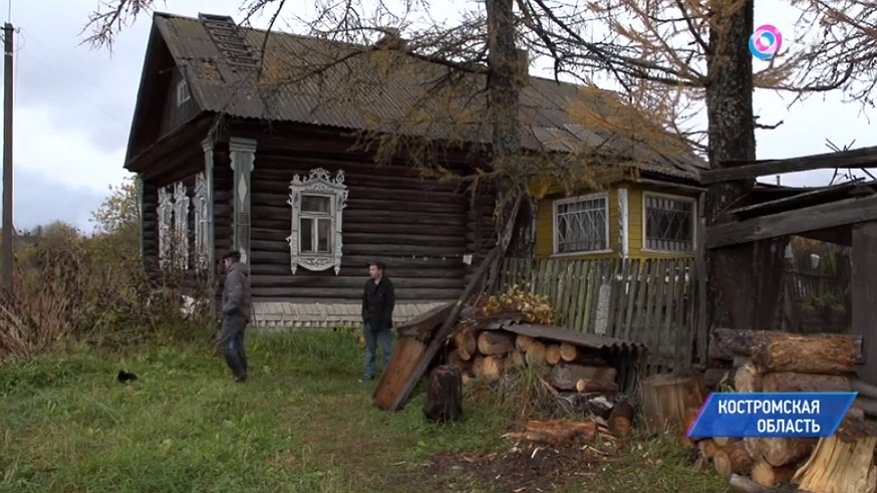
<point>302,423</point>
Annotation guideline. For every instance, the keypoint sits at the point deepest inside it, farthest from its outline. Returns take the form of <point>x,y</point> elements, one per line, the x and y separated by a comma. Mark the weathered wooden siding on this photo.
<point>636,250</point>
<point>174,115</point>
<point>421,229</point>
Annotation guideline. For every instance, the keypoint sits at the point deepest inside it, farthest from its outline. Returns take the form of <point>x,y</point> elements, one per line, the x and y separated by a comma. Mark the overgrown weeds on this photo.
<point>524,391</point>
<point>68,287</point>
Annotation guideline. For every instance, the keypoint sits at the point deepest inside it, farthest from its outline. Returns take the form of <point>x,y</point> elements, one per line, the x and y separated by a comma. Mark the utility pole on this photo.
<point>6,258</point>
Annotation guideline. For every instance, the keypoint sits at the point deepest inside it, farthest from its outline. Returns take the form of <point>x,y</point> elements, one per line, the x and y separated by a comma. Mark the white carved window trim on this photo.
<point>181,225</point>
<point>317,183</point>
<point>202,218</point>
<point>165,212</point>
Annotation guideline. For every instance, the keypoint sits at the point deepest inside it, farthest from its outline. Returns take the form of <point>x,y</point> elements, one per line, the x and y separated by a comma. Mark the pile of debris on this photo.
<point>784,362</point>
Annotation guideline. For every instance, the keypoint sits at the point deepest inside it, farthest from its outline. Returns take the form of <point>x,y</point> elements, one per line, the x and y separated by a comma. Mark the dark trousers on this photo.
<point>372,339</point>
<point>231,343</point>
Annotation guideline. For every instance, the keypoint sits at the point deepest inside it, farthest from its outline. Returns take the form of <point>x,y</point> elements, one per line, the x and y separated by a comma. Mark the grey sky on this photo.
<point>73,107</point>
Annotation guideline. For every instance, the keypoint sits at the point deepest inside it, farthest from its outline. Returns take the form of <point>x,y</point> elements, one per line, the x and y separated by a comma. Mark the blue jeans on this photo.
<point>231,343</point>
<point>372,339</point>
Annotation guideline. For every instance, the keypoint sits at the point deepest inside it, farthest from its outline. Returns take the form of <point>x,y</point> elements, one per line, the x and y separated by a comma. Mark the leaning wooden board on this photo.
<point>413,339</point>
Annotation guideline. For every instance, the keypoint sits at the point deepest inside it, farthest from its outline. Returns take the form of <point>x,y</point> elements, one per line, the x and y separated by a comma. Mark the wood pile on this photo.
<point>487,345</point>
<point>783,362</point>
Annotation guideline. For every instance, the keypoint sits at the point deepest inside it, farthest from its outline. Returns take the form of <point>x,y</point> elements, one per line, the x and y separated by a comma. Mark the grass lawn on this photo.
<point>302,423</point>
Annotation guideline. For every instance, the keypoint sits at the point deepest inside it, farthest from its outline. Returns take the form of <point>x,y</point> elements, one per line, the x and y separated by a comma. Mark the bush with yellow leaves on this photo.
<point>535,307</point>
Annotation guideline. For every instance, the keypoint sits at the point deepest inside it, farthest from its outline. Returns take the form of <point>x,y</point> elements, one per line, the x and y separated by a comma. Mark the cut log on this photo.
<point>454,359</point>
<point>568,352</point>
<point>522,342</point>
<point>821,353</point>
<point>478,366</point>
<point>464,340</point>
<point>536,353</point>
<point>444,396</point>
<point>621,419</point>
<point>495,343</point>
<point>746,485</point>
<point>723,442</point>
<point>665,399</point>
<point>840,467</point>
<point>515,359</point>
<point>733,459</point>
<point>781,451</point>
<point>561,432</point>
<point>804,382</point>
<point>552,354</point>
<point>591,385</point>
<point>725,344</point>
<point>565,376</point>
<point>747,378</point>
<point>707,448</point>
<point>770,476</point>
<point>493,367</point>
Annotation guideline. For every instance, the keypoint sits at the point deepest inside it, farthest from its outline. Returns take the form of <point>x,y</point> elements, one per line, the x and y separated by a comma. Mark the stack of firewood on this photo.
<point>783,362</point>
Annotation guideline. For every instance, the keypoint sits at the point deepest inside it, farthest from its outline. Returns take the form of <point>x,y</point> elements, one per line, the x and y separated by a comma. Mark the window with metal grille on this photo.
<point>316,223</point>
<point>669,223</point>
<point>581,224</point>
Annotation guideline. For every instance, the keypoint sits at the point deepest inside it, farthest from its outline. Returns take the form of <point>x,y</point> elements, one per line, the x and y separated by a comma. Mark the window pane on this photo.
<point>669,224</point>
<point>306,231</point>
<point>324,235</point>
<point>581,226</point>
<point>315,204</point>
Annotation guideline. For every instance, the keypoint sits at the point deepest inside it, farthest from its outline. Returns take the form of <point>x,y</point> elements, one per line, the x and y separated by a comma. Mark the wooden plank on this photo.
<point>622,298</point>
<point>859,158</point>
<point>579,323</point>
<point>635,284</point>
<point>847,211</point>
<point>864,294</point>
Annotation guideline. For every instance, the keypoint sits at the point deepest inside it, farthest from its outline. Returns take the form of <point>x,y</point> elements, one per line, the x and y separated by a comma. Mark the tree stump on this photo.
<point>842,463</point>
<point>444,396</point>
<point>665,399</point>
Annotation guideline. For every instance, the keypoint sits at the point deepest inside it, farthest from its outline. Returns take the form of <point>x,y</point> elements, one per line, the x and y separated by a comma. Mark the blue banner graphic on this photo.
<point>772,414</point>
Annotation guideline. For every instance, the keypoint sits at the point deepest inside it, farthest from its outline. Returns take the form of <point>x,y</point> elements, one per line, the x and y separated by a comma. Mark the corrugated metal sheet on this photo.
<point>302,81</point>
<point>562,334</point>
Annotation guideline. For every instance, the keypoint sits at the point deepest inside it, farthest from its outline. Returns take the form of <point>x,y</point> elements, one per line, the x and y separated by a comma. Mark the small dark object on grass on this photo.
<point>444,396</point>
<point>126,377</point>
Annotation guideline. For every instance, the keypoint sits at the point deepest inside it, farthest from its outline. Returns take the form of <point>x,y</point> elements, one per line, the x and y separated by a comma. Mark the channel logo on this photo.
<point>765,42</point>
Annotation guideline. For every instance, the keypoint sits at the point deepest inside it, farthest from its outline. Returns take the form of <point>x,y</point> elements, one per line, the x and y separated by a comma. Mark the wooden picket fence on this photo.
<point>656,302</point>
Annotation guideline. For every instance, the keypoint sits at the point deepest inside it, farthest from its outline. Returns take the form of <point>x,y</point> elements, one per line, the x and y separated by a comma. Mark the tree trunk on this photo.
<point>803,382</point>
<point>744,280</point>
<point>825,353</point>
<point>444,396</point>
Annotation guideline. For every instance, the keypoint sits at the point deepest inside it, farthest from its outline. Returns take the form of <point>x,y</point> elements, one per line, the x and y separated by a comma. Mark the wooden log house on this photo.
<point>236,147</point>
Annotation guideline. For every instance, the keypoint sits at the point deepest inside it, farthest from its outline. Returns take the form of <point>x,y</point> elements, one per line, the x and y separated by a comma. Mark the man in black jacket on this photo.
<point>378,301</point>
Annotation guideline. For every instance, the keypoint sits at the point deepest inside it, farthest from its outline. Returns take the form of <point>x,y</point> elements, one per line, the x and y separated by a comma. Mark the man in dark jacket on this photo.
<point>236,314</point>
<point>378,301</point>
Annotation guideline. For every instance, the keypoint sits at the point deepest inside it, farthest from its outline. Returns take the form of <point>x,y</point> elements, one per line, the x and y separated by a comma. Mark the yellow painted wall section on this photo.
<point>635,193</point>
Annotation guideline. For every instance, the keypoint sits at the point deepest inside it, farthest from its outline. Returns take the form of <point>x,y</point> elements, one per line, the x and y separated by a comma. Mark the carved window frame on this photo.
<point>318,183</point>
<point>181,225</point>
<point>165,211</point>
<point>202,222</point>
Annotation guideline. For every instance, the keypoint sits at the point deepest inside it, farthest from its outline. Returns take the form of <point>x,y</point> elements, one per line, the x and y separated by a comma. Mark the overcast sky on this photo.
<point>73,108</point>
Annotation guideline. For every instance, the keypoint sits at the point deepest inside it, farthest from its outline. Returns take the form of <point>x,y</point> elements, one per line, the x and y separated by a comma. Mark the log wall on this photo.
<point>419,228</point>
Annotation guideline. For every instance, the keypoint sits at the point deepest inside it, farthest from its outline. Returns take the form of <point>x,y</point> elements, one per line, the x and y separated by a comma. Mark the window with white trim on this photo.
<point>581,224</point>
<point>183,94</point>
<point>202,222</point>
<point>317,204</point>
<point>668,222</point>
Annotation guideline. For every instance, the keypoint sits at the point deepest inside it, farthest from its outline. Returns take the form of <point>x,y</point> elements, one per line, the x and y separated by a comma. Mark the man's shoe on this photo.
<point>241,378</point>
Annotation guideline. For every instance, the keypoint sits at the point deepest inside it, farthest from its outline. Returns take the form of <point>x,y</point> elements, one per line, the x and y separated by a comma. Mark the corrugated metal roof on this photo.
<point>562,334</point>
<point>328,83</point>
